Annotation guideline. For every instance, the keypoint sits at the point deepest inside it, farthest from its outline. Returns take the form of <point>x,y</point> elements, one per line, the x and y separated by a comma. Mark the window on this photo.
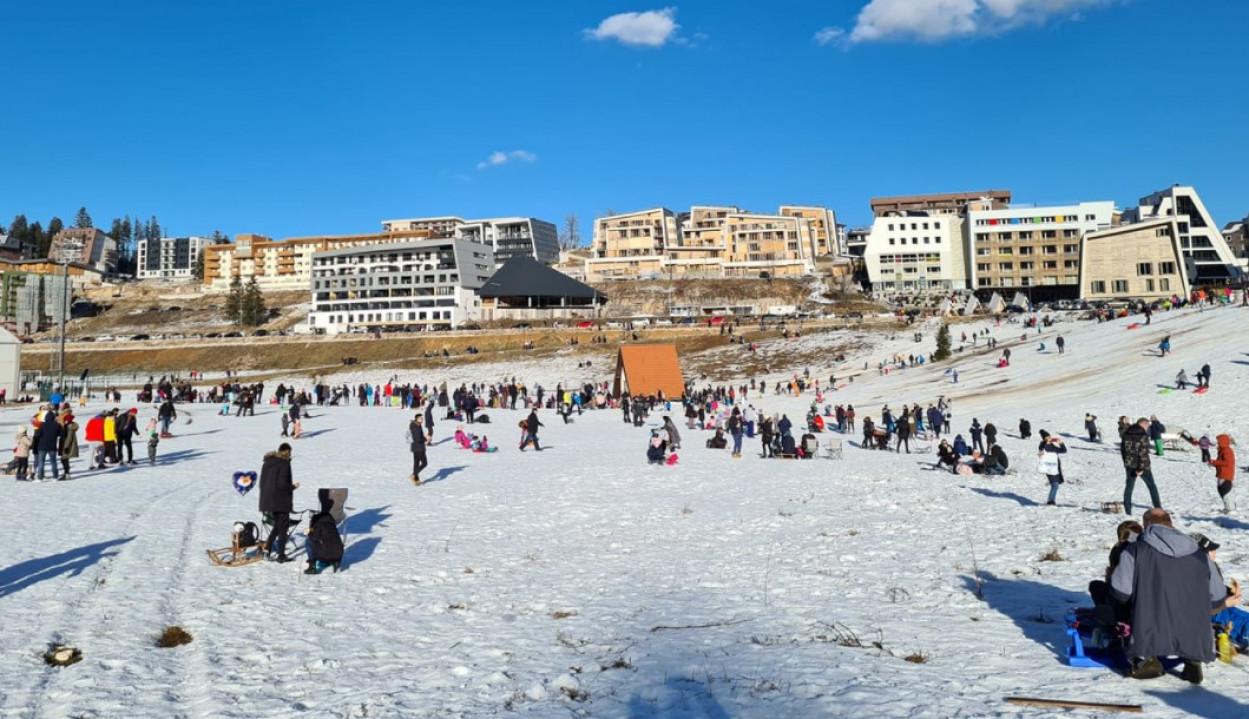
<point>1048,234</point>
<point>1071,248</point>
<point>1121,286</point>
<point>1025,281</point>
<point>982,267</point>
<point>1166,268</point>
<point>1006,266</point>
<point>1025,265</point>
<point>1025,235</point>
<point>1098,287</point>
<point>1025,250</point>
<point>1164,284</point>
<point>891,241</point>
<point>1050,264</point>
<point>1149,285</point>
<point>1144,269</point>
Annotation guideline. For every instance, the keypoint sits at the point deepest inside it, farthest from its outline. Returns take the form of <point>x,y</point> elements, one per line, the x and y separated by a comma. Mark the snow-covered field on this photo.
<point>582,582</point>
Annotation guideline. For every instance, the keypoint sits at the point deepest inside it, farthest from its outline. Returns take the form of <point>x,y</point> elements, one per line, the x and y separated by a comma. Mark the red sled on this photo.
<point>1200,390</point>
<point>672,459</point>
<point>1134,325</point>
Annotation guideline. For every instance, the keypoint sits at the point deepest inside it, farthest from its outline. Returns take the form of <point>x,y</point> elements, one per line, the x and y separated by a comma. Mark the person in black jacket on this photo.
<point>416,442</point>
<point>166,414</point>
<point>277,490</point>
<point>127,425</point>
<point>531,431</point>
<point>1025,429</point>
<point>1135,450</point>
<point>990,435</point>
<point>46,444</point>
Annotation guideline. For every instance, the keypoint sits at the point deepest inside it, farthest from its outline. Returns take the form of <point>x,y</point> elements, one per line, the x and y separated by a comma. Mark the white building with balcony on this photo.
<point>168,257</point>
<point>418,285</point>
<point>917,252</point>
<point>507,236</point>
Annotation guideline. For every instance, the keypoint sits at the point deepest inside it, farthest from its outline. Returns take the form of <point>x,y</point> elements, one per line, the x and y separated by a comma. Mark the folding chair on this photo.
<point>833,449</point>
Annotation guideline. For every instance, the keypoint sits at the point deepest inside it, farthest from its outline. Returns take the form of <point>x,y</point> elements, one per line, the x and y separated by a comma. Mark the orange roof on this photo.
<point>649,370</point>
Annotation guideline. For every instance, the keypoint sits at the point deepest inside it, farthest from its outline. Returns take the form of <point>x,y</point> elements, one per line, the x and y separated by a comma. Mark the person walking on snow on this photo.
<point>531,431</point>
<point>1135,452</point>
<point>976,432</point>
<point>1050,464</point>
<point>1203,376</point>
<point>416,443</point>
<point>1224,465</point>
<point>1181,380</point>
<point>1062,344</point>
<point>1090,426</point>
<point>1164,347</point>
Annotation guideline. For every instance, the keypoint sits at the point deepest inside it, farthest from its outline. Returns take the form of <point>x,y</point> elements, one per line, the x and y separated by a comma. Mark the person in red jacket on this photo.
<point>1224,464</point>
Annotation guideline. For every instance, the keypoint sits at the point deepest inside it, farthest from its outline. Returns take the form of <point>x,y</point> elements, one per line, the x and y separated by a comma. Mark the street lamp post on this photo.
<point>64,313</point>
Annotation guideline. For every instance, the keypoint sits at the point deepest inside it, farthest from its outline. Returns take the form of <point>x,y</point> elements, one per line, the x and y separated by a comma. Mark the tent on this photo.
<point>10,363</point>
<point>649,370</point>
<point>945,308</point>
<point>973,304</point>
<point>1020,301</point>
<point>996,305</point>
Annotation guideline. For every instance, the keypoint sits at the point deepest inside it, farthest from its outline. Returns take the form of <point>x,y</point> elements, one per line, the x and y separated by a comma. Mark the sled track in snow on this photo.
<point>84,614</point>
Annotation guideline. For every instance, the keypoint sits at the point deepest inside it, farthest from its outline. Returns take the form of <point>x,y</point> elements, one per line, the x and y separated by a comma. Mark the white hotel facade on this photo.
<point>421,284</point>
<point>917,252</point>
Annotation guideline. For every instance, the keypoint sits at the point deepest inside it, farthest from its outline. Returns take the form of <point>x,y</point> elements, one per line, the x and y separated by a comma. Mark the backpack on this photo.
<point>249,535</point>
<point>324,543</point>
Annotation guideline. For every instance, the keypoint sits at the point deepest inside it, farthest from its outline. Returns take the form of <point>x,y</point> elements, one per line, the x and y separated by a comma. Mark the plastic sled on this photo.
<point>1083,653</point>
<point>1134,326</point>
<point>672,459</point>
<point>486,451</point>
<point>1165,390</point>
<point>1200,390</point>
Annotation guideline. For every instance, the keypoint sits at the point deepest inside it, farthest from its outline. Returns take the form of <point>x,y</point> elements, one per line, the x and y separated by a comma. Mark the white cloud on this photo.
<point>500,157</point>
<point>829,35</point>
<point>936,20</point>
<point>652,28</point>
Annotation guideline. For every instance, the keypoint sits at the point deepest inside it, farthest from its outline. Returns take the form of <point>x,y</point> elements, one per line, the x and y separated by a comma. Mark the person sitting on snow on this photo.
<point>656,451</point>
<point>946,456</point>
<point>960,446</point>
<point>719,441</point>
<point>996,462</point>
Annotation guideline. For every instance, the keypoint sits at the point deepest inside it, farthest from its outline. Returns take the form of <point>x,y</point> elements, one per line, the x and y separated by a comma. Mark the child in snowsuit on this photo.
<point>21,453</point>
<point>1225,471</point>
<point>1205,445</point>
<point>153,439</point>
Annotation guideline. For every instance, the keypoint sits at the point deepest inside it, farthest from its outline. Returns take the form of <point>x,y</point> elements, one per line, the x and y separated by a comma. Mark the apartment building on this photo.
<point>424,284</point>
<point>168,257</point>
<point>768,246</point>
<point>85,246</point>
<point>1205,250</point>
<point>1236,235</point>
<point>827,237</point>
<point>712,241</point>
<point>508,236</point>
<point>632,245</point>
<point>1144,260</point>
<point>944,202</point>
<point>284,264</point>
<point>1023,247</point>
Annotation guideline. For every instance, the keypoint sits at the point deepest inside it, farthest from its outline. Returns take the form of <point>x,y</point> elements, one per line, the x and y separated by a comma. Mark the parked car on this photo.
<point>86,339</point>
<point>521,326</point>
<point>260,333</point>
<point>212,335</point>
<point>141,337</point>
<point>232,334</point>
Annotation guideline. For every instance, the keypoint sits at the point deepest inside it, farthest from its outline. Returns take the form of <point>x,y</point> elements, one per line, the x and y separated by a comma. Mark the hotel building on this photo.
<point>508,236</point>
<point>1020,248</point>
<point>424,284</point>
<point>1144,260</point>
<point>917,252</point>
<point>1205,250</point>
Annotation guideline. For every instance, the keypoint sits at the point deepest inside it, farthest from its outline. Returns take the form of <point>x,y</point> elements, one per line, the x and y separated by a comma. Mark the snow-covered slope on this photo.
<point>579,581</point>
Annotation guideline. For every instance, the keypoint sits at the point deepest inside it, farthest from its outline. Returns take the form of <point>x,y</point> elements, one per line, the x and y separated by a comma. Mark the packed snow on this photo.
<point>580,581</point>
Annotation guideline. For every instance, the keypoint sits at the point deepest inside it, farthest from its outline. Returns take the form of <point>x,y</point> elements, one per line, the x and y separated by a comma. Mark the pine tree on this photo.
<point>234,301</point>
<point>55,226</point>
<point>943,344</point>
<point>198,270</point>
<point>83,220</point>
<point>40,240</point>
<point>253,304</point>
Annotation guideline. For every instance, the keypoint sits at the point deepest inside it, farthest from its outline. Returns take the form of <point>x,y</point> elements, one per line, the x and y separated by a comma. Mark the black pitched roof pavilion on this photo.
<point>523,276</point>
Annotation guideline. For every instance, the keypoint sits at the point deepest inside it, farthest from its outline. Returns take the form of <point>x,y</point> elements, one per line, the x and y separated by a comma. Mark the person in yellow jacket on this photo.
<point>110,437</point>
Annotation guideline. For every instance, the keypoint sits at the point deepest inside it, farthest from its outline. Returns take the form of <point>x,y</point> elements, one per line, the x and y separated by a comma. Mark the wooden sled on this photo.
<point>235,555</point>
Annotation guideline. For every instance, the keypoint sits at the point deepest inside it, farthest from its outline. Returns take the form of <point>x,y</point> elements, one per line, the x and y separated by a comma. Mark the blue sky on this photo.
<point>290,118</point>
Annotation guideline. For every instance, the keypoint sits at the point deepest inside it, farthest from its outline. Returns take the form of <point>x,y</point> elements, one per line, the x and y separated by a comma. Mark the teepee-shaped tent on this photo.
<point>945,308</point>
<point>973,304</point>
<point>1019,300</point>
<point>996,305</point>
